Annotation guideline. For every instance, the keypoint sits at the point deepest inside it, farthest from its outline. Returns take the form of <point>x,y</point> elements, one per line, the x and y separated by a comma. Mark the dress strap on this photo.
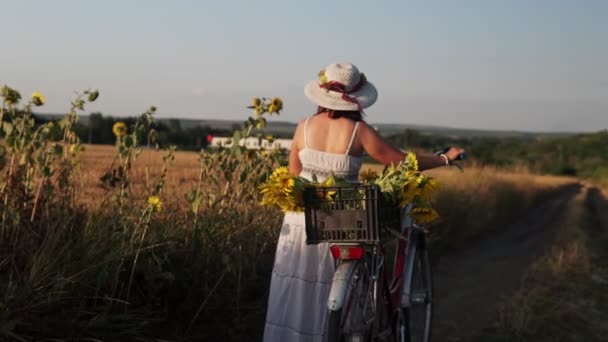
<point>305,133</point>
<point>352,138</point>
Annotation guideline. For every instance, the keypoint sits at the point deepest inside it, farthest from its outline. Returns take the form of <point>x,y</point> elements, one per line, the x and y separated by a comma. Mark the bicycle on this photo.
<point>366,302</point>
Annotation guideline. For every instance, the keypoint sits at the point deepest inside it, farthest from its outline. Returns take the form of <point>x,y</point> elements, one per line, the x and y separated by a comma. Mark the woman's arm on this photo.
<point>381,150</point>
<point>295,165</point>
<point>430,161</point>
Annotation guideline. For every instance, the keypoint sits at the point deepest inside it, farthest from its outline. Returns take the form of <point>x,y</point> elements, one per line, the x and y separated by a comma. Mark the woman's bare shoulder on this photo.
<point>365,127</point>
<point>301,123</point>
<point>300,126</point>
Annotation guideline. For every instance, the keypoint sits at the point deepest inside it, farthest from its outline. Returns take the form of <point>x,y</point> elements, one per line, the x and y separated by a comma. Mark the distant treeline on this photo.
<point>97,129</point>
<point>583,155</point>
<point>169,132</point>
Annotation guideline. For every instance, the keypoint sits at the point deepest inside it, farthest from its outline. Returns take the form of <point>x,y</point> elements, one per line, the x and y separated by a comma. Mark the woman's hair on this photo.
<point>354,115</point>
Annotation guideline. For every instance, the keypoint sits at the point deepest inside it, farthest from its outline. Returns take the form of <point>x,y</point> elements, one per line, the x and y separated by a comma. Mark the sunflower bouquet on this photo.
<point>286,192</point>
<point>402,185</point>
<point>283,190</point>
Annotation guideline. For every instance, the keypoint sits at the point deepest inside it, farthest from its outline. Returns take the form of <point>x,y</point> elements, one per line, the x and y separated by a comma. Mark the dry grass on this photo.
<point>563,295</point>
<point>471,202</point>
<point>136,271</point>
<point>180,257</point>
<point>97,160</point>
<point>183,175</point>
<point>475,202</point>
<point>481,200</point>
<point>478,201</point>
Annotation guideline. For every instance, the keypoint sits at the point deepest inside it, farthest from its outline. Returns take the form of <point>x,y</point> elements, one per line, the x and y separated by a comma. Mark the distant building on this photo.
<point>253,143</point>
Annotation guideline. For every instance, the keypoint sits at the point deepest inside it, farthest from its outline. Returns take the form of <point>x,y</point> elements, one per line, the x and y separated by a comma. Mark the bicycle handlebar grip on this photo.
<point>462,156</point>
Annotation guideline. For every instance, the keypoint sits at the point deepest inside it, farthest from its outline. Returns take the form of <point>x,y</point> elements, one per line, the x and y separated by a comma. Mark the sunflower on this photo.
<point>154,203</point>
<point>329,182</point>
<point>412,161</point>
<point>259,110</point>
<point>271,196</point>
<point>280,171</point>
<point>93,95</point>
<point>276,104</point>
<point>11,96</point>
<point>427,187</point>
<point>119,129</point>
<point>75,148</point>
<point>424,215</point>
<point>407,192</point>
<point>283,190</point>
<point>289,204</point>
<point>287,184</point>
<point>38,99</point>
<point>257,102</point>
<point>368,176</point>
<point>322,77</point>
<point>401,185</point>
<point>325,194</point>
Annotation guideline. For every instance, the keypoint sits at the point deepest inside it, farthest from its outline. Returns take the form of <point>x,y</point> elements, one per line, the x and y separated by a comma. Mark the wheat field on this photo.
<point>188,261</point>
<point>184,172</point>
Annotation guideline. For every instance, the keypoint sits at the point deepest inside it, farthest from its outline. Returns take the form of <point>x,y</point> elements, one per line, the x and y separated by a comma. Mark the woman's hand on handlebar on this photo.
<point>455,153</point>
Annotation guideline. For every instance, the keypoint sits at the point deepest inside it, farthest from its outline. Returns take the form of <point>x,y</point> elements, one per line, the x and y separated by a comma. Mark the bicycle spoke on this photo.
<point>359,316</point>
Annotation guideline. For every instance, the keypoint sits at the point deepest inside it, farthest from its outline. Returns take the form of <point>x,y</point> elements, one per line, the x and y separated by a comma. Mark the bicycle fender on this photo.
<point>339,284</point>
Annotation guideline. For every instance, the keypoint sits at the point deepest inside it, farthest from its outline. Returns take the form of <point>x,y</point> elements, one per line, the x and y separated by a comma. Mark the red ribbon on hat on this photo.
<point>341,88</point>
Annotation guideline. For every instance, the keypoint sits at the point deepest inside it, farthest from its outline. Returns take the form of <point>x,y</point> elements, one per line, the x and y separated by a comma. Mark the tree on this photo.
<point>94,125</point>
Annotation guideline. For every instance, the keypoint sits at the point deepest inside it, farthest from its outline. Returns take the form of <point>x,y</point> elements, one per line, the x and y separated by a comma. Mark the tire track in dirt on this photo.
<point>469,284</point>
<point>598,205</point>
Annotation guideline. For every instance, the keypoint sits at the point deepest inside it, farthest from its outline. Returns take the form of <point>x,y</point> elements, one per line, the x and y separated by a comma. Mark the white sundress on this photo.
<point>302,274</point>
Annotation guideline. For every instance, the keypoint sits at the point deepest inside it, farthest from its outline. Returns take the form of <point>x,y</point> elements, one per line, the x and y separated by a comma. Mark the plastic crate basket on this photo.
<point>356,213</point>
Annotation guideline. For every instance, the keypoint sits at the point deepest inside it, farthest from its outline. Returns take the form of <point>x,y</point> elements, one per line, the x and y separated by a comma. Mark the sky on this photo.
<point>514,64</point>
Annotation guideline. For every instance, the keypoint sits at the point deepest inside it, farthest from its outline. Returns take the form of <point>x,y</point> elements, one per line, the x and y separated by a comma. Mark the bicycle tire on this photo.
<point>408,321</point>
<point>358,318</point>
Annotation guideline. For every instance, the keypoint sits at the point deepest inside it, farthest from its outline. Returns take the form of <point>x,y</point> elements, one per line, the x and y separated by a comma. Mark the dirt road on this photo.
<point>469,284</point>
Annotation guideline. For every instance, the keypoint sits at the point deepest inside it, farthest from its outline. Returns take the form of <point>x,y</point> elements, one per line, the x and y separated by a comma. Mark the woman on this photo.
<point>331,141</point>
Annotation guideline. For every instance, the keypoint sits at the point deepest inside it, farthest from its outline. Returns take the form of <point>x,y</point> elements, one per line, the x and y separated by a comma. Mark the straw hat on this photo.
<point>341,87</point>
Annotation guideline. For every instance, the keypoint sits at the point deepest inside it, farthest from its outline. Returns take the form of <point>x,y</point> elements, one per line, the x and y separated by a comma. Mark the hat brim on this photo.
<point>366,96</point>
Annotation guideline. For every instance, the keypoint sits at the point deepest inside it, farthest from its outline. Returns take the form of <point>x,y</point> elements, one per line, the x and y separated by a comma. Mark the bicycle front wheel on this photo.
<point>358,319</point>
<point>414,322</point>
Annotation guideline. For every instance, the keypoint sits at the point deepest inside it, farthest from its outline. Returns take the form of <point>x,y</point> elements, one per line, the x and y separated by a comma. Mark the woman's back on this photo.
<point>332,135</point>
<point>329,146</point>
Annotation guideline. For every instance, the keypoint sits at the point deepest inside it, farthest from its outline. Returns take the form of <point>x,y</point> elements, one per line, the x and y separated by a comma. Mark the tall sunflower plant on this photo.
<point>402,185</point>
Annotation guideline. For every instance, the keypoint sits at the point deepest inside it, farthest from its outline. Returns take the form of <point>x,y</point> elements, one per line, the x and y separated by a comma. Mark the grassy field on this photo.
<point>563,295</point>
<point>184,172</point>
<point>125,243</point>
<point>481,200</point>
<point>182,176</point>
<point>108,265</point>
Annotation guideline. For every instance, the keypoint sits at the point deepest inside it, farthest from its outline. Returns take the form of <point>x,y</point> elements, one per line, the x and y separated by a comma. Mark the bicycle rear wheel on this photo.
<point>414,321</point>
<point>359,318</point>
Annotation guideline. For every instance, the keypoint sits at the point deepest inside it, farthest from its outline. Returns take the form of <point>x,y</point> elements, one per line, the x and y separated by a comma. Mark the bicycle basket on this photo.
<point>354,213</point>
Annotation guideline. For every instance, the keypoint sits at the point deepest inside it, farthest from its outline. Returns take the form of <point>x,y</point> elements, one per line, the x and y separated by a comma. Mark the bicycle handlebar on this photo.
<point>461,156</point>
